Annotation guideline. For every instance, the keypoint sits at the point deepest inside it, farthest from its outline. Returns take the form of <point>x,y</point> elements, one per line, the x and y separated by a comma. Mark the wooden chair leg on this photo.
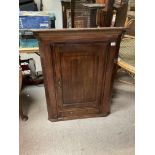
<point>21,114</point>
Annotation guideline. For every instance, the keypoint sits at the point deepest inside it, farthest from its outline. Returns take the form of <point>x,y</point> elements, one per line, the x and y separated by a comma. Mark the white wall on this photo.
<point>53,6</point>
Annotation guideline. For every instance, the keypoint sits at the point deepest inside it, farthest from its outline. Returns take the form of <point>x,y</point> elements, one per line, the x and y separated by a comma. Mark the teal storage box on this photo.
<point>28,43</point>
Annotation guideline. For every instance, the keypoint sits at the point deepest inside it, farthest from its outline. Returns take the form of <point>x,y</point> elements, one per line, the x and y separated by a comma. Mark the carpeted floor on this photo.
<point>112,135</point>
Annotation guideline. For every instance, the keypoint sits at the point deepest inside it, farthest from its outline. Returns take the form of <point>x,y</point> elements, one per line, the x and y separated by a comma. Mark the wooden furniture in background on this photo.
<point>130,23</point>
<point>100,1</point>
<point>127,48</point>
<point>126,59</point>
<point>21,113</point>
<point>75,14</point>
<point>117,8</point>
<point>127,67</point>
<point>66,8</point>
<point>87,13</point>
<point>29,50</point>
<point>104,16</point>
<point>78,68</point>
<point>92,10</point>
<point>80,13</point>
<point>121,8</point>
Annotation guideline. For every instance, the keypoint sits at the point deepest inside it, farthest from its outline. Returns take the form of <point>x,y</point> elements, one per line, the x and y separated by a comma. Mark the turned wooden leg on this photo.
<point>22,115</point>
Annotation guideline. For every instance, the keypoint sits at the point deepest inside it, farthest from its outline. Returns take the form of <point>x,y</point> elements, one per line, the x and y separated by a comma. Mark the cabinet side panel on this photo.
<point>109,75</point>
<point>47,67</point>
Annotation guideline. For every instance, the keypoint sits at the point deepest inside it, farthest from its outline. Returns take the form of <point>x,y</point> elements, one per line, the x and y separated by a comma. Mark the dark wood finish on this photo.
<point>78,10</point>
<point>92,14</point>
<point>78,66</point>
<point>66,8</point>
<point>105,15</point>
<point>21,113</point>
<point>121,14</point>
<point>100,1</point>
<point>112,7</point>
<point>80,16</point>
<point>87,14</point>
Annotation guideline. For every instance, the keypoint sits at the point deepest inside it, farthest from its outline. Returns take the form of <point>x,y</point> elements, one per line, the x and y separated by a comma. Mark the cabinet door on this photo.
<point>79,75</point>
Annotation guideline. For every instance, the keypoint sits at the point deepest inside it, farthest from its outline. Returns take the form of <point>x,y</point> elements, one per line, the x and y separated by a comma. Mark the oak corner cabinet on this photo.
<point>78,68</point>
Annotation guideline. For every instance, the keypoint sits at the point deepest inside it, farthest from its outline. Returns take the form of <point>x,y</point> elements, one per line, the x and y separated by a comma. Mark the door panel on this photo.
<point>79,75</point>
<point>79,82</point>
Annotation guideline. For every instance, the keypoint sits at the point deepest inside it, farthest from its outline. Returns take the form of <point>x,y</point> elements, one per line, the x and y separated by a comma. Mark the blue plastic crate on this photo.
<point>34,20</point>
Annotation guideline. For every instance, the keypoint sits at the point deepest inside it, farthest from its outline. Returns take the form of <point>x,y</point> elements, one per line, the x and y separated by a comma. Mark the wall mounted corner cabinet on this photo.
<point>78,68</point>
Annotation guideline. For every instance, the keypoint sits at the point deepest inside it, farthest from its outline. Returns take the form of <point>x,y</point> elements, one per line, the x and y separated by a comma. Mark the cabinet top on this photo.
<point>105,29</point>
<point>78,34</point>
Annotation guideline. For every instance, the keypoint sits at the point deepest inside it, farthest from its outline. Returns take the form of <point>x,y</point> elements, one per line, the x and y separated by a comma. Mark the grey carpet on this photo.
<point>112,135</point>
